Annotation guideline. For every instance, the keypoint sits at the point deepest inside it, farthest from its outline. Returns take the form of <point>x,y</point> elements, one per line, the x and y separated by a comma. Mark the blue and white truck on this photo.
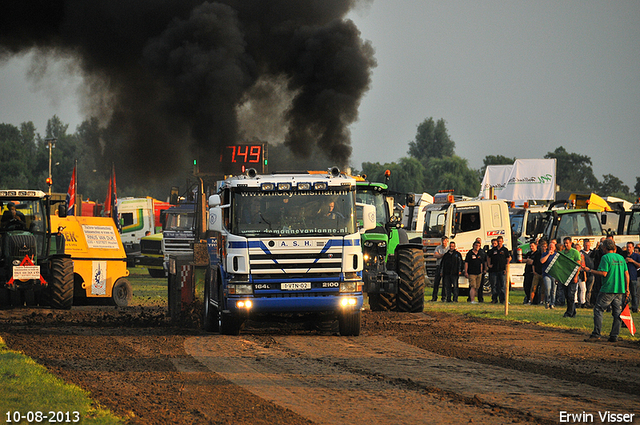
<point>285,244</point>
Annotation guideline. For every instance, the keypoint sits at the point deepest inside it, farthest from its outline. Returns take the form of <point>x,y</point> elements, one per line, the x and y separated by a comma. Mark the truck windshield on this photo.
<point>375,198</point>
<point>634,223</point>
<point>179,221</point>
<point>579,224</point>
<point>434,221</point>
<point>293,213</point>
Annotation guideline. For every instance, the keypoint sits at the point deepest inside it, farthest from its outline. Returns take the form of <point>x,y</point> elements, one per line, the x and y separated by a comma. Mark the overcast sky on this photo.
<point>516,78</point>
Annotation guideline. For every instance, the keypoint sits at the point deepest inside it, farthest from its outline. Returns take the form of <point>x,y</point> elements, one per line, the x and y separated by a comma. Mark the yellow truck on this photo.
<point>99,259</point>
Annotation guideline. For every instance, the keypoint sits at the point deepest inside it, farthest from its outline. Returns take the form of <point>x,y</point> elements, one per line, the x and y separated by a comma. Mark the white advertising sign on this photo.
<point>103,237</point>
<point>26,272</point>
<point>495,176</point>
<point>528,179</point>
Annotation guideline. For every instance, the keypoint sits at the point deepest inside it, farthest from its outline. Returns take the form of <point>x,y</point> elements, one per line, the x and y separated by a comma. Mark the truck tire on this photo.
<point>210,321</point>
<point>157,273</point>
<point>382,302</point>
<point>349,323</point>
<point>121,292</point>
<point>411,272</point>
<point>228,324</point>
<point>61,285</point>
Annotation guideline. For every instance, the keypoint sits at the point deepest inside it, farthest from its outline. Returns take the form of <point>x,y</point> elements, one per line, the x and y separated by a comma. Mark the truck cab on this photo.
<point>462,221</point>
<point>284,244</point>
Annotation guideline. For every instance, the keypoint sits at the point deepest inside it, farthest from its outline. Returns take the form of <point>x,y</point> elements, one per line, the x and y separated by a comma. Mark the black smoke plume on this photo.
<point>167,78</point>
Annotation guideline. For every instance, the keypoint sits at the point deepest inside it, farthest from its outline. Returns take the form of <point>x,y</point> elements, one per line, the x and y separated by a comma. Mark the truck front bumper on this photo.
<point>295,303</point>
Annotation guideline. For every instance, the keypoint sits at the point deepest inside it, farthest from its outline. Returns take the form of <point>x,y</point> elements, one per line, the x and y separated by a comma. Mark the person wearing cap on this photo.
<point>11,214</point>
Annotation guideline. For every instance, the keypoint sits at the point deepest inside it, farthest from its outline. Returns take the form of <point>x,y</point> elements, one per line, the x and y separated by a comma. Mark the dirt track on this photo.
<point>414,368</point>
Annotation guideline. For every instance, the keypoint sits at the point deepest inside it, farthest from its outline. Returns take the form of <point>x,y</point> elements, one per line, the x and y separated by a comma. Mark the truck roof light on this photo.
<point>267,186</point>
<point>284,186</point>
<point>304,186</point>
<point>320,186</point>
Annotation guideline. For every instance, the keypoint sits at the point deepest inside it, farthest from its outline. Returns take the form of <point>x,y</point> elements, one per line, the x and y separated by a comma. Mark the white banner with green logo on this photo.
<point>528,179</point>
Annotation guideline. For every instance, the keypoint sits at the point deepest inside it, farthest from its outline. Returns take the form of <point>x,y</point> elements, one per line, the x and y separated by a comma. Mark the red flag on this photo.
<point>626,318</point>
<point>107,203</point>
<point>71,194</point>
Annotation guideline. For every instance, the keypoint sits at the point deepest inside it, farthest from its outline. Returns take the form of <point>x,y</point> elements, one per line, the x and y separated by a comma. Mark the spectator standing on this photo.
<point>536,269</point>
<point>483,278</point>
<point>569,288</point>
<point>474,270</point>
<point>633,262</point>
<point>439,252</point>
<point>528,273</point>
<point>581,290</point>
<point>587,254</point>
<point>615,287</point>
<point>451,266</point>
<point>548,281</point>
<point>497,259</point>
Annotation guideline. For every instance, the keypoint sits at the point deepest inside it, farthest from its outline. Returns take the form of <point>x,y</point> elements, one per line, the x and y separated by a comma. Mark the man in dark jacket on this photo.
<point>451,266</point>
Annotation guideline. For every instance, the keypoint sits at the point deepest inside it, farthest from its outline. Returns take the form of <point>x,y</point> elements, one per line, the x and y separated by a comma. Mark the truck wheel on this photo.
<point>210,321</point>
<point>349,323</point>
<point>157,273</point>
<point>121,293</point>
<point>411,272</point>
<point>382,302</point>
<point>229,324</point>
<point>61,286</point>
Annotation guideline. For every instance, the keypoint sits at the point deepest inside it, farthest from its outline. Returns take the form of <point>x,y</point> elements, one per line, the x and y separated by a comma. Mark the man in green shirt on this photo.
<point>613,292</point>
<point>569,289</point>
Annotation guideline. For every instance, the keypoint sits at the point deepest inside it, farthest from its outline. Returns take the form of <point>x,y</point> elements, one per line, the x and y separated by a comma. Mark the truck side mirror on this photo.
<point>214,201</point>
<point>62,210</point>
<point>215,218</point>
<point>368,216</point>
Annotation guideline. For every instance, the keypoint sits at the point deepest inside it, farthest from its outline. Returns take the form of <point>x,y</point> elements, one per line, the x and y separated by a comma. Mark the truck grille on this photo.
<point>273,266</point>
<point>151,247</point>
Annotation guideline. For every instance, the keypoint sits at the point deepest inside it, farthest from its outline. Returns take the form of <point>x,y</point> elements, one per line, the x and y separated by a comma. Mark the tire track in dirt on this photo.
<point>369,380</point>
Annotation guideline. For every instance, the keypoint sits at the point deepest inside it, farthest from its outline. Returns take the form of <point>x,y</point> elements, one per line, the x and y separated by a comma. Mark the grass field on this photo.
<point>26,386</point>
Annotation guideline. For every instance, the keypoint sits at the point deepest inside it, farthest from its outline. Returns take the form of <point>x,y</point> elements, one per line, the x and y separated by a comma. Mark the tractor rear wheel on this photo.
<point>61,285</point>
<point>411,272</point>
<point>382,302</point>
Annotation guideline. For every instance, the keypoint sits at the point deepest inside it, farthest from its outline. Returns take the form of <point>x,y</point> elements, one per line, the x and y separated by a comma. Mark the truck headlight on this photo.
<point>349,286</point>
<point>240,290</point>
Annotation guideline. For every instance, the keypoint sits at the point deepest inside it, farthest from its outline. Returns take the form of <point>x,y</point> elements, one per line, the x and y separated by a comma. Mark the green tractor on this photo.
<point>394,271</point>
<point>33,266</point>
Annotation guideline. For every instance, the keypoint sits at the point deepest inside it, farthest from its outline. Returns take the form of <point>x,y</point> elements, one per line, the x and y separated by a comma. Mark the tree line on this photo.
<point>431,164</point>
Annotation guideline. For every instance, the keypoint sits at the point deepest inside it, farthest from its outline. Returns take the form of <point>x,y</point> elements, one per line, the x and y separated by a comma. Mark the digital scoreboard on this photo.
<point>237,159</point>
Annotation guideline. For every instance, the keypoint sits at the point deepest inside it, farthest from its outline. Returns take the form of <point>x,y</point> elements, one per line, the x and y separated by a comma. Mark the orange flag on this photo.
<point>626,318</point>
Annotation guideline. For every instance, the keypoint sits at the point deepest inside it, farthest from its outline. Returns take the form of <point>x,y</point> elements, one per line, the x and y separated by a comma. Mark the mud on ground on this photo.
<point>138,364</point>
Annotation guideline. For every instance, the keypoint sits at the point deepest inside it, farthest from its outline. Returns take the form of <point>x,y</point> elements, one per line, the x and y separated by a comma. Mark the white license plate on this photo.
<point>295,286</point>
